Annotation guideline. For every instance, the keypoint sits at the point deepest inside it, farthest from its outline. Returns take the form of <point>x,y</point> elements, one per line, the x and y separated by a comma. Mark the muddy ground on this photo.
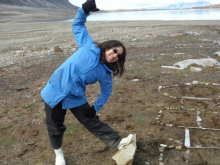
<point>28,59</point>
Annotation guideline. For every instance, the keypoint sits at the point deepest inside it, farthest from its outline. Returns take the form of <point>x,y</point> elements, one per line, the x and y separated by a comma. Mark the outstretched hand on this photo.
<point>89,5</point>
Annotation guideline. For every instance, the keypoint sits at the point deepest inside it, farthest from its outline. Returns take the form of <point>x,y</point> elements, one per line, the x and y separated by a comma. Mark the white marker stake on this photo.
<point>187,138</point>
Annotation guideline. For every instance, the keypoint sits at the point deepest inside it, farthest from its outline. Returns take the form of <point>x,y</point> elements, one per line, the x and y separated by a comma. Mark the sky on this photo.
<point>132,4</point>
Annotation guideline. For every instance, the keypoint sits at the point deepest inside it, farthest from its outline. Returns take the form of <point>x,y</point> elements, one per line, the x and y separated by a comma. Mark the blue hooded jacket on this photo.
<point>68,82</point>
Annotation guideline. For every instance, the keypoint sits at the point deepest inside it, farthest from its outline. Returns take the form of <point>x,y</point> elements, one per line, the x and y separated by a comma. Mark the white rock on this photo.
<point>135,80</point>
<point>199,119</point>
<point>161,149</point>
<point>195,69</point>
<point>218,53</point>
<point>195,82</point>
<point>163,145</point>
<point>176,35</point>
<point>172,67</point>
<point>203,62</point>
<point>125,156</point>
<point>159,88</point>
<point>160,163</point>
<point>188,83</point>
<point>175,54</point>
<point>187,138</point>
<point>149,35</point>
<point>179,147</point>
<point>73,49</point>
<point>166,94</point>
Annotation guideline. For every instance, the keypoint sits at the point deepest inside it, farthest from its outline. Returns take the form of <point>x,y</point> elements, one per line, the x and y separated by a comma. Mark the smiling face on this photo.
<point>113,53</point>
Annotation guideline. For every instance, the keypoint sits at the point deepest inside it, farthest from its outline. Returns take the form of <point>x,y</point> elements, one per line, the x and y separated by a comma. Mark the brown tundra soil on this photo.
<point>148,100</point>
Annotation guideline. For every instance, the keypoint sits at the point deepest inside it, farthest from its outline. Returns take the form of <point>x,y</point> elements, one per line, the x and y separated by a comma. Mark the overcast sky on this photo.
<point>129,4</point>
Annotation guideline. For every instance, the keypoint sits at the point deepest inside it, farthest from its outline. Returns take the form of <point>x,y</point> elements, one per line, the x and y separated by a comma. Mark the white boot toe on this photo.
<point>125,141</point>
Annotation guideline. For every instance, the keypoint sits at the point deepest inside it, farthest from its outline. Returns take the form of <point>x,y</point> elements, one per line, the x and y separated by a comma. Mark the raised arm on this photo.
<point>79,29</point>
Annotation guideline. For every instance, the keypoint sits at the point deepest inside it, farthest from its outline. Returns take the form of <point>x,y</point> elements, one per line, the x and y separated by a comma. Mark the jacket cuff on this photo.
<point>96,108</point>
<point>81,11</point>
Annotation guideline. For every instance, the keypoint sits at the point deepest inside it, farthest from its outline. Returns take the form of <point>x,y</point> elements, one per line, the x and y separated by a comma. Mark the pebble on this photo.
<point>195,82</point>
<point>135,80</point>
<point>161,149</point>
<point>179,147</point>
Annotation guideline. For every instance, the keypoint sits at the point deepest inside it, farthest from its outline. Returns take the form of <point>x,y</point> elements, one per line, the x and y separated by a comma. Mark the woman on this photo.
<point>66,88</point>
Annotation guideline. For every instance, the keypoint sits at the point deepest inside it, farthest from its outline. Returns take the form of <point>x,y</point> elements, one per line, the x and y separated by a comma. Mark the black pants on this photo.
<point>55,127</point>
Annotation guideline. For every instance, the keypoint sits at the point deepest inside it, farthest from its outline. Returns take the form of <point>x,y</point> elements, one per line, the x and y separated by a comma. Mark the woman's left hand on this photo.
<point>89,5</point>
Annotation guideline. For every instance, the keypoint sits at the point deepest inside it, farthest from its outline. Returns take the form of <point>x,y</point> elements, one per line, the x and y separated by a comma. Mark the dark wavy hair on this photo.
<point>118,66</point>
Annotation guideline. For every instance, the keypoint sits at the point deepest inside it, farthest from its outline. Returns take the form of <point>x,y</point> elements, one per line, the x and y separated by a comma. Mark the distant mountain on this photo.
<point>52,4</point>
<point>188,5</point>
<point>181,5</point>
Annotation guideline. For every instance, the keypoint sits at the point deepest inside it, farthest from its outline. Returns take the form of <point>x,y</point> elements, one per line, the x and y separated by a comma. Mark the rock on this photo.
<point>160,163</point>
<point>169,125</point>
<point>20,52</point>
<point>163,145</point>
<point>179,147</point>
<point>176,35</point>
<point>135,80</point>
<point>187,138</point>
<point>73,44</point>
<point>195,69</point>
<point>161,149</point>
<point>125,156</point>
<point>218,53</point>
<point>191,34</point>
<point>57,49</point>
<point>199,119</point>
<point>149,35</point>
<point>159,88</point>
<point>208,63</point>
<point>166,94</point>
<point>195,82</point>
<point>204,62</point>
<point>176,54</point>
<point>73,49</point>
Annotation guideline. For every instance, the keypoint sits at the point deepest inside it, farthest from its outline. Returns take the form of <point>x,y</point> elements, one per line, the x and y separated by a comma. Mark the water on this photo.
<point>187,14</point>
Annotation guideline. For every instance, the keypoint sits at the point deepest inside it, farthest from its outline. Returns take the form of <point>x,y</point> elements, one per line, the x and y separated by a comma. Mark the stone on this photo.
<point>180,147</point>
<point>160,163</point>
<point>195,69</point>
<point>199,119</point>
<point>187,138</point>
<point>73,49</point>
<point>218,53</point>
<point>149,35</point>
<point>135,80</point>
<point>125,156</point>
<point>20,52</point>
<point>163,145</point>
<point>57,49</point>
<point>176,35</point>
<point>195,82</point>
<point>166,94</point>
<point>159,88</point>
<point>161,149</point>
